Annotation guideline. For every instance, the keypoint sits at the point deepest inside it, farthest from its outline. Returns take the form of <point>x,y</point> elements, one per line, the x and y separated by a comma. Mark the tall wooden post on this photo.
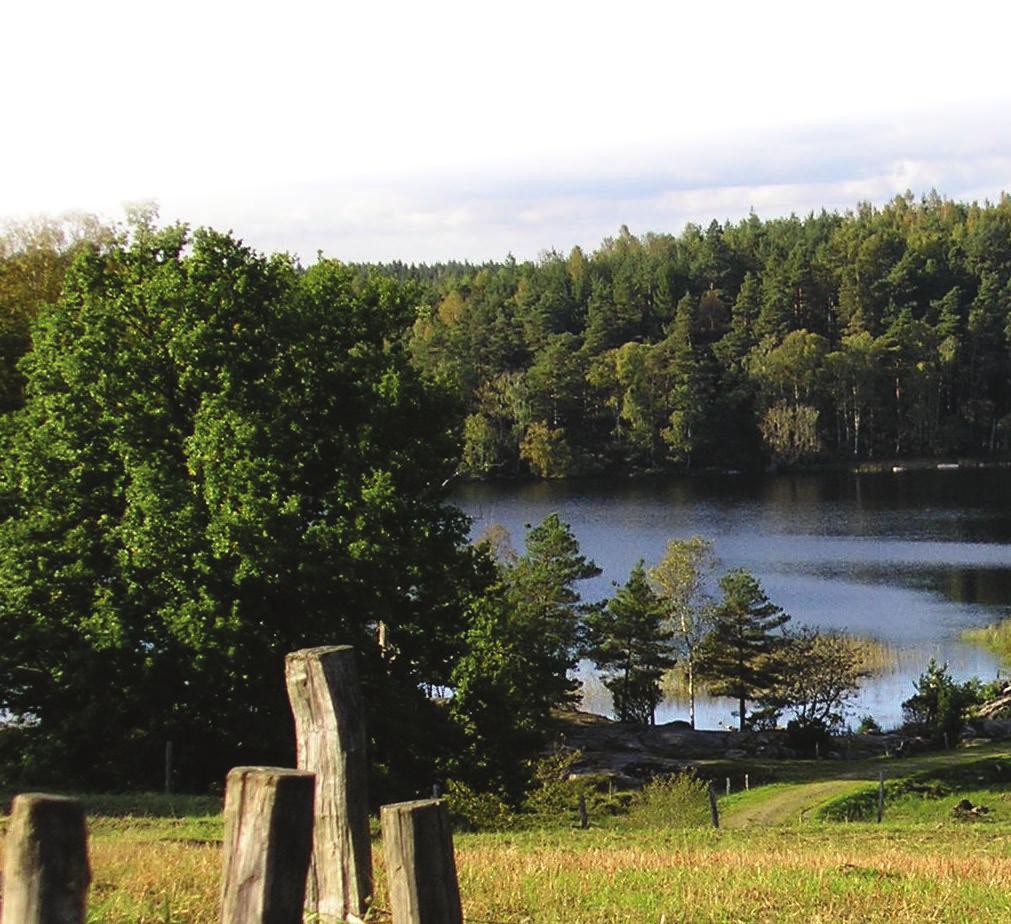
<point>714,812</point>
<point>267,845</point>
<point>46,873</point>
<point>326,700</point>
<point>420,865</point>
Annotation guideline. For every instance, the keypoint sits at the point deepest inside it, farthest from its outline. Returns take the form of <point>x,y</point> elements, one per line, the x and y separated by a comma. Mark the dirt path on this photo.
<point>790,804</point>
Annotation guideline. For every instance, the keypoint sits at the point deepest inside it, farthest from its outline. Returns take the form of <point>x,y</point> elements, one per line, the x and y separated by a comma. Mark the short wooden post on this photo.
<point>714,812</point>
<point>420,866</point>
<point>881,795</point>
<point>584,818</point>
<point>747,783</point>
<point>728,785</point>
<point>46,873</point>
<point>168,767</point>
<point>326,700</point>
<point>267,845</point>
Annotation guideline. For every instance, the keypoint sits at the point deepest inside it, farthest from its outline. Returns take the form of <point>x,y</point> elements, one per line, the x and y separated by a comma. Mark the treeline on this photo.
<point>882,332</point>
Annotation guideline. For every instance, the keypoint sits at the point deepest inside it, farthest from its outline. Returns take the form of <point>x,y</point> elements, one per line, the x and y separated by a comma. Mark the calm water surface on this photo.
<point>908,558</point>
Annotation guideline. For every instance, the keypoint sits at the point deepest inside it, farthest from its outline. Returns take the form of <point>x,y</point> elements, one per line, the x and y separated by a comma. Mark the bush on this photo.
<point>868,726</point>
<point>677,801</point>
<point>808,738</point>
<point>939,706</point>
<point>470,810</point>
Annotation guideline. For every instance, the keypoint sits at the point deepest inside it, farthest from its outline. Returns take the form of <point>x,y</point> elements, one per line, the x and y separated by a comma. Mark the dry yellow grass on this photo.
<point>840,873</point>
<point>166,871</point>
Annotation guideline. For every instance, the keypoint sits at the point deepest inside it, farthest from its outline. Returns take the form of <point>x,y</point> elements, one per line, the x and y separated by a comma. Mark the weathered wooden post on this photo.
<point>728,785</point>
<point>420,865</point>
<point>46,873</point>
<point>326,700</point>
<point>747,783</point>
<point>168,767</point>
<point>714,812</point>
<point>881,795</point>
<point>584,818</point>
<point>267,845</point>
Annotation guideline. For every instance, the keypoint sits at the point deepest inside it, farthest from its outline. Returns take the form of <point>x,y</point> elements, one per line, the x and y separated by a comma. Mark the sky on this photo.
<point>470,130</point>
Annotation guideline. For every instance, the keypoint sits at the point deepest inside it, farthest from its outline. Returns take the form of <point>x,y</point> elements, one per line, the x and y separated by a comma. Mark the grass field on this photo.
<point>776,857</point>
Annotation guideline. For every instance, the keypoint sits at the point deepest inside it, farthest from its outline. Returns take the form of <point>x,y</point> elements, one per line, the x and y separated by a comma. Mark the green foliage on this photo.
<point>880,332</point>
<point>739,657</point>
<point>677,801</point>
<point>523,641</point>
<point>546,450</point>
<point>939,706</point>
<point>679,579</point>
<point>631,648</point>
<point>221,459</point>
<point>470,810</point>
<point>819,672</point>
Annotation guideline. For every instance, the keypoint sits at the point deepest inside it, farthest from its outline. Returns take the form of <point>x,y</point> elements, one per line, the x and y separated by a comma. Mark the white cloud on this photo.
<point>461,129</point>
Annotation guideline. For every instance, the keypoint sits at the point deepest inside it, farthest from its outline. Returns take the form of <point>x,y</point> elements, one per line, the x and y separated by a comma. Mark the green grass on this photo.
<point>995,637</point>
<point>779,855</point>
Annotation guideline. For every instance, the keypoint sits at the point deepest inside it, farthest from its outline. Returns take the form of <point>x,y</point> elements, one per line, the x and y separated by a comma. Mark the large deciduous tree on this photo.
<point>221,459</point>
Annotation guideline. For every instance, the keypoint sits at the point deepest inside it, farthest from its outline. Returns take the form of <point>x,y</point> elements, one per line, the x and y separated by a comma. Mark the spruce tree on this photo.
<point>631,647</point>
<point>738,657</point>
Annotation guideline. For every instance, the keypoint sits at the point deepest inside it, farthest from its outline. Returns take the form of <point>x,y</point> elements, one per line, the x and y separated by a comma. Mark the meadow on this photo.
<point>784,852</point>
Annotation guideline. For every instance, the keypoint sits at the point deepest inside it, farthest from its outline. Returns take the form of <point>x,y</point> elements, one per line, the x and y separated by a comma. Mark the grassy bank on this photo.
<point>779,856</point>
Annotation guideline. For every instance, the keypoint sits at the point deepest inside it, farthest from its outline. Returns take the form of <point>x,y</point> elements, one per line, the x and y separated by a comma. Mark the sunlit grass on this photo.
<point>995,638</point>
<point>921,864</point>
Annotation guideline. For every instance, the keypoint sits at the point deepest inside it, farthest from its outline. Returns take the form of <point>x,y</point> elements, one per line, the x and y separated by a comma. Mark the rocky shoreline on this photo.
<point>628,754</point>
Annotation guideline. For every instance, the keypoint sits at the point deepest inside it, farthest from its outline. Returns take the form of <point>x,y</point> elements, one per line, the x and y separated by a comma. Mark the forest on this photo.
<point>210,457</point>
<point>878,333</point>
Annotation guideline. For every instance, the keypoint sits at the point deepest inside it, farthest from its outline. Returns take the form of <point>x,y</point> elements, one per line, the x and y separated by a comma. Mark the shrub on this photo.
<point>470,810</point>
<point>680,800</point>
<point>809,737</point>
<point>868,726</point>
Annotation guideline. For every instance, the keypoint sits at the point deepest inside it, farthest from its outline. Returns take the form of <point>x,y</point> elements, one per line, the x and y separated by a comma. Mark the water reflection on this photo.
<point>909,558</point>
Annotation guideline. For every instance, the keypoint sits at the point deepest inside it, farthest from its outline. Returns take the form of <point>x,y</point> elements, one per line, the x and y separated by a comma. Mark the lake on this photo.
<point>908,558</point>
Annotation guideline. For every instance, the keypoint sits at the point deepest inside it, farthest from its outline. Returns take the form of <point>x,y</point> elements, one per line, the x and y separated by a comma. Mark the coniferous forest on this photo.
<point>878,333</point>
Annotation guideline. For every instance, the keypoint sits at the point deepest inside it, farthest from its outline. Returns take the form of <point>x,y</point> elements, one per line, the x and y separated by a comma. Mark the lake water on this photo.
<point>908,558</point>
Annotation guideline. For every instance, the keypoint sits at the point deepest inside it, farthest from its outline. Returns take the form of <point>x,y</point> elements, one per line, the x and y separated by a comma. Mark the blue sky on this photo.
<point>468,130</point>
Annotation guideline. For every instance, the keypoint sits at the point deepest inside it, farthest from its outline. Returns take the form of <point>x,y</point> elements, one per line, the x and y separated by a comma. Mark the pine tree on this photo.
<point>738,657</point>
<point>632,648</point>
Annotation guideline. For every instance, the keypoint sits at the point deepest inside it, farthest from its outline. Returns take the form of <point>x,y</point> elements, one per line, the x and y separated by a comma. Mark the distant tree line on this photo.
<point>209,457</point>
<point>883,332</point>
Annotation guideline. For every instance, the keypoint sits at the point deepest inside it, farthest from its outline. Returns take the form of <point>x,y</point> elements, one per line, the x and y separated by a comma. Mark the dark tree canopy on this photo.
<point>222,458</point>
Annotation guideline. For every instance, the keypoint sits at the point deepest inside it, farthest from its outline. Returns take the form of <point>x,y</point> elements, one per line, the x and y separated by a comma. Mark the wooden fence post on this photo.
<point>584,818</point>
<point>714,812</point>
<point>420,866</point>
<point>267,844</point>
<point>46,873</point>
<point>747,783</point>
<point>728,785</point>
<point>168,767</point>
<point>326,700</point>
